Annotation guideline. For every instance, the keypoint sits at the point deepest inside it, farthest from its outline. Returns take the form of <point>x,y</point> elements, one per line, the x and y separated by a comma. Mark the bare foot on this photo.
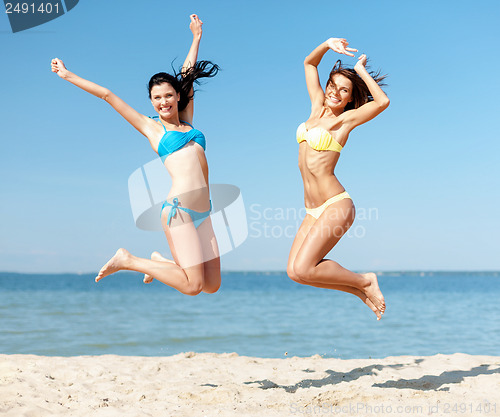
<point>351,290</point>
<point>372,307</point>
<point>155,256</point>
<point>373,292</point>
<point>116,263</point>
<point>363,297</point>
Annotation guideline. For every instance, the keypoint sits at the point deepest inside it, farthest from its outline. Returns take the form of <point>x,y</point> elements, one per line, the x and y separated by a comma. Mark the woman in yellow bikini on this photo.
<point>351,98</point>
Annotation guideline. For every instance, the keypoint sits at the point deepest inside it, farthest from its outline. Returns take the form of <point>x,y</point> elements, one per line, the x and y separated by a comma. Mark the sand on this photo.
<point>207,384</point>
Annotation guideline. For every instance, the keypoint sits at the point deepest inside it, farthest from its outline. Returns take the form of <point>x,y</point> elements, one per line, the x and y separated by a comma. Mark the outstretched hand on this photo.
<point>340,45</point>
<point>361,63</point>
<point>58,67</point>
<point>195,25</point>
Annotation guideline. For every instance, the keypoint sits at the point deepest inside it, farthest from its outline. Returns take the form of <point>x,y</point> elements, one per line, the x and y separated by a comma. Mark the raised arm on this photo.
<point>312,61</point>
<point>196,28</point>
<point>142,123</point>
<point>371,109</point>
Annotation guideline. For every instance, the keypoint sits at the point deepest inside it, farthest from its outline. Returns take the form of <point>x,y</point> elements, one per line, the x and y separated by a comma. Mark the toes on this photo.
<point>102,273</point>
<point>156,256</point>
<point>377,313</point>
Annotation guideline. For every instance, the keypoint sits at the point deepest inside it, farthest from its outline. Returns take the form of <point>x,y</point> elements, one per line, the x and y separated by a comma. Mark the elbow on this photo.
<point>106,94</point>
<point>384,103</point>
<point>308,61</point>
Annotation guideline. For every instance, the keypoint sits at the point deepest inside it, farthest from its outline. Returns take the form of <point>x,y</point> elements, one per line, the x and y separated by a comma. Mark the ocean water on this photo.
<point>253,314</point>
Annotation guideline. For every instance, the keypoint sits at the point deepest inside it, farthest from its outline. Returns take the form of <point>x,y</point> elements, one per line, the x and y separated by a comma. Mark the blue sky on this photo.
<point>424,175</point>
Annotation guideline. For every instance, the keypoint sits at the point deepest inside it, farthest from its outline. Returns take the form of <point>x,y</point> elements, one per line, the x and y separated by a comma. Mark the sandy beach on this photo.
<point>207,384</point>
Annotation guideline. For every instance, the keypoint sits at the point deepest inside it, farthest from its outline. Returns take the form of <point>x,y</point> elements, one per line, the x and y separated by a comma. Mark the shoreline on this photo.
<point>209,384</point>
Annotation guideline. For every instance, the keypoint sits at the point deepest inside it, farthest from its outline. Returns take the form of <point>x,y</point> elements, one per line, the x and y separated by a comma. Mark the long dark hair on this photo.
<point>183,81</point>
<point>360,92</point>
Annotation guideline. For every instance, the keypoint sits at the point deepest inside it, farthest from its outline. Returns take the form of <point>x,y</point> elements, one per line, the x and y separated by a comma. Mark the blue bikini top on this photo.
<point>173,140</point>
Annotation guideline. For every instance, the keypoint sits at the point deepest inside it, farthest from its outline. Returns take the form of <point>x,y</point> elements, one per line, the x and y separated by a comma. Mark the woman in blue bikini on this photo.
<point>185,215</point>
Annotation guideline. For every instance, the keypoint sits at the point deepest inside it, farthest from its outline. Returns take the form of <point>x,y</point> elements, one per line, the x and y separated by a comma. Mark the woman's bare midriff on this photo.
<point>188,169</point>
<point>317,170</point>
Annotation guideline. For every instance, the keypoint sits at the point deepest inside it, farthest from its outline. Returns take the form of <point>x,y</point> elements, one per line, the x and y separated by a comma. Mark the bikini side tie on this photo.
<point>173,210</point>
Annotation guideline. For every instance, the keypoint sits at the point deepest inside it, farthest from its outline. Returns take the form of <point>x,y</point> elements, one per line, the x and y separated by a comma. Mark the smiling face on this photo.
<point>338,92</point>
<point>164,99</point>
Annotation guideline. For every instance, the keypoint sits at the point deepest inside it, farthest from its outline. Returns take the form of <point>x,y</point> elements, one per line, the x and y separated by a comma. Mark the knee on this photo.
<point>193,289</point>
<point>292,275</point>
<point>212,287</point>
<point>298,273</point>
<point>303,272</point>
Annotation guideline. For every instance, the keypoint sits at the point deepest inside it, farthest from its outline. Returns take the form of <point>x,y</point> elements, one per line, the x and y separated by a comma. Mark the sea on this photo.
<point>262,314</point>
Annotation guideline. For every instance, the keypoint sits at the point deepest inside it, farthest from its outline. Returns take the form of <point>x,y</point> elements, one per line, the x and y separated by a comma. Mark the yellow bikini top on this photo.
<point>318,138</point>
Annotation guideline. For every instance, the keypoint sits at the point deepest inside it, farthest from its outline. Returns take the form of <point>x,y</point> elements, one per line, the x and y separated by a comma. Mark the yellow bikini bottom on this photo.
<point>317,211</point>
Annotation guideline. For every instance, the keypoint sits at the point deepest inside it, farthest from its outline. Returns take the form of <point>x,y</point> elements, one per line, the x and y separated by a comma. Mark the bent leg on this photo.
<point>187,281</point>
<point>155,256</point>
<point>302,233</point>
<point>345,288</point>
<point>185,275</point>
<point>322,236</point>
<point>211,258</point>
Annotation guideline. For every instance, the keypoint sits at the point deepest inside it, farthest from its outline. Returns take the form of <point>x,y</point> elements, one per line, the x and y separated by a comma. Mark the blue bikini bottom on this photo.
<point>196,216</point>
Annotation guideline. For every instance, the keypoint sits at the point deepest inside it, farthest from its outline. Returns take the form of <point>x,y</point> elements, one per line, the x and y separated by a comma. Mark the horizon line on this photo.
<point>275,271</point>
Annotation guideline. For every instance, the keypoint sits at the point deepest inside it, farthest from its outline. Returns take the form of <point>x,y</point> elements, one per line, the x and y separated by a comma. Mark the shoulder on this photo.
<point>155,129</point>
<point>155,122</point>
